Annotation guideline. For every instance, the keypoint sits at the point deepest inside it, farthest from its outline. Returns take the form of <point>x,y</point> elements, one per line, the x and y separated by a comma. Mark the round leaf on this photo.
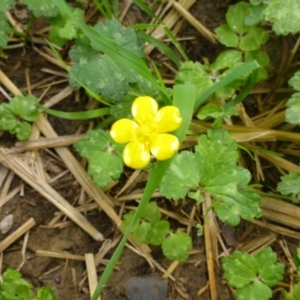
<point>177,246</point>
<point>227,36</point>
<point>236,15</point>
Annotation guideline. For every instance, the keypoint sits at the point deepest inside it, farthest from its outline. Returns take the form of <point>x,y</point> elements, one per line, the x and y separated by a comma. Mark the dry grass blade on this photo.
<point>210,243</point>
<point>277,161</point>
<point>61,255</point>
<point>277,229</point>
<point>61,141</point>
<point>170,20</point>
<point>15,235</point>
<point>194,22</point>
<point>91,272</point>
<point>21,169</point>
<point>258,243</point>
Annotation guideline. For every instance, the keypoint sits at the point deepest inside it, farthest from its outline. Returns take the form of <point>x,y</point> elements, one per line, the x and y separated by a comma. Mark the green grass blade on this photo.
<point>184,98</point>
<point>160,79</point>
<point>143,6</point>
<point>116,8</point>
<point>175,43</point>
<point>244,92</point>
<point>181,93</point>
<point>82,115</point>
<point>162,47</point>
<point>101,9</point>
<point>236,74</point>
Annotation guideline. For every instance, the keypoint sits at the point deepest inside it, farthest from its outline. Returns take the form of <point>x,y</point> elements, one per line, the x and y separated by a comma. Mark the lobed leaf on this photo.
<point>177,246</point>
<point>195,74</point>
<point>235,17</point>
<point>63,27</point>
<point>4,30</point>
<point>227,36</point>
<point>253,275</point>
<point>104,155</point>
<point>290,185</point>
<point>41,7</point>
<point>125,37</point>
<point>6,5</point>
<point>284,14</point>
<point>213,169</point>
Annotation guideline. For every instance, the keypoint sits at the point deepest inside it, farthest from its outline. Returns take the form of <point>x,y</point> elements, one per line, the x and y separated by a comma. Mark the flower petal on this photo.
<point>168,118</point>
<point>144,109</point>
<point>163,146</point>
<point>136,155</point>
<point>123,130</point>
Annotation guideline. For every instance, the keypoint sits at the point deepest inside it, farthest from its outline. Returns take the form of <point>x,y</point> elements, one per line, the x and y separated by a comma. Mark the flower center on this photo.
<point>145,132</point>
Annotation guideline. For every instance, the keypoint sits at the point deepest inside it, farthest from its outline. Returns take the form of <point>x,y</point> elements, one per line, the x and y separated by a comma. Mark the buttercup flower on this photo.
<point>147,133</point>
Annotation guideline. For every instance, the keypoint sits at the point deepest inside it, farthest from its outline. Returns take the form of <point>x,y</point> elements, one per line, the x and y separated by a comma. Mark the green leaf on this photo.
<point>257,290</point>
<point>18,109</point>
<point>227,36</point>
<point>4,30</point>
<point>256,14</point>
<point>6,5</point>
<point>213,169</point>
<point>240,269</point>
<point>64,28</point>
<point>230,203</point>
<point>295,81</point>
<point>210,110</point>
<point>41,7</point>
<point>227,59</point>
<point>295,295</point>
<point>46,293</point>
<point>25,107</point>
<point>284,14</point>
<point>253,39</point>
<point>104,155</point>
<point>141,231</point>
<point>149,229</point>
<point>23,131</point>
<point>125,37</point>
<point>14,287</point>
<point>290,185</point>
<point>292,113</point>
<point>7,118</point>
<point>157,233</point>
<point>252,275</point>
<point>182,176</point>
<point>177,246</point>
<point>270,272</point>
<point>236,15</point>
<point>217,146</point>
<point>127,219</point>
<point>260,56</point>
<point>195,74</point>
<point>97,72</point>
<point>151,213</point>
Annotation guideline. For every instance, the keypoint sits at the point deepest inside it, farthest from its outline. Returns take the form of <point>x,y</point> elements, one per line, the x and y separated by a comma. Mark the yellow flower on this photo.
<point>147,133</point>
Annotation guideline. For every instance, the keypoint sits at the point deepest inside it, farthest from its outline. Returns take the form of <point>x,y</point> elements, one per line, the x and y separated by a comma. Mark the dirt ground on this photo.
<point>68,276</point>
